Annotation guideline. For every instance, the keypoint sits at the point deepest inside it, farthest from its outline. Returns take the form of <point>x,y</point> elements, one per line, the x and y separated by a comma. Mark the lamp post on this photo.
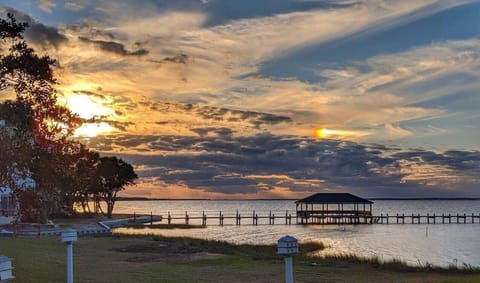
<point>287,246</point>
<point>69,236</point>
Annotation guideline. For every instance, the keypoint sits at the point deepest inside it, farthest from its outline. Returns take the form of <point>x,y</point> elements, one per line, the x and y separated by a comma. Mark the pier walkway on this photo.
<point>287,218</point>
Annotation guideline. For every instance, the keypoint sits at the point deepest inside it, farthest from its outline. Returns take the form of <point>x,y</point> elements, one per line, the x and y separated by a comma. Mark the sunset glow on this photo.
<point>324,133</point>
<point>203,95</point>
<point>93,129</point>
<point>86,107</point>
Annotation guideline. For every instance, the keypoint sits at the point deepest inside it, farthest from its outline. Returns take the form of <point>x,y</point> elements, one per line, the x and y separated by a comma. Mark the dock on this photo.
<point>115,223</point>
<point>290,217</point>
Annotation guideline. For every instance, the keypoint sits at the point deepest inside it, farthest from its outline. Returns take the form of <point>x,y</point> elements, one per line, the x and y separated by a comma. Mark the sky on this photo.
<point>272,98</point>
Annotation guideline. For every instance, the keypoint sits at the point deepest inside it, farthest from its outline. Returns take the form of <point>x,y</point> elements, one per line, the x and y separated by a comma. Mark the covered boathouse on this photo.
<point>333,208</point>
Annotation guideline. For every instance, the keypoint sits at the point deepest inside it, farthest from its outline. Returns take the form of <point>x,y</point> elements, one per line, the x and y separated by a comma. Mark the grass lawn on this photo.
<point>157,259</point>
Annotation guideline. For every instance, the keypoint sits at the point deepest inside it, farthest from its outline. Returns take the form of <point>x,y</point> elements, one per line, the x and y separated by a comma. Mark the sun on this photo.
<point>323,133</point>
<point>86,107</point>
<point>91,130</point>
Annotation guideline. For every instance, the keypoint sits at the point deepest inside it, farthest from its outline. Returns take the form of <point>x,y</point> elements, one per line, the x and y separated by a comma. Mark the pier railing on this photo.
<point>288,217</point>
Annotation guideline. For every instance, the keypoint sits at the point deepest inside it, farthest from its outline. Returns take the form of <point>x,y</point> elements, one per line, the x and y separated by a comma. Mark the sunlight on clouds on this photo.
<point>429,174</point>
<point>324,133</point>
<point>219,64</point>
<point>86,107</point>
<point>89,107</point>
<point>93,129</point>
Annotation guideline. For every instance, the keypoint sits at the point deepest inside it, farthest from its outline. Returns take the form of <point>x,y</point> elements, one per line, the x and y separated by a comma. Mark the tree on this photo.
<point>31,77</point>
<point>16,153</point>
<point>35,141</point>
<point>77,179</point>
<point>113,174</point>
<point>35,127</point>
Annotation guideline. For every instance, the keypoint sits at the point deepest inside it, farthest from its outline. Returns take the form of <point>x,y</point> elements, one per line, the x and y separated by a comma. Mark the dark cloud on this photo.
<point>122,126</point>
<point>37,32</point>
<point>452,159</point>
<point>90,30</point>
<point>180,58</point>
<point>114,47</point>
<point>256,119</point>
<point>229,164</point>
<point>232,115</point>
<point>89,92</point>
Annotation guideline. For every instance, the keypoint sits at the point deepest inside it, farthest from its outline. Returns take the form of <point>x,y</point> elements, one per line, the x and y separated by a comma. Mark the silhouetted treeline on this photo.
<point>46,170</point>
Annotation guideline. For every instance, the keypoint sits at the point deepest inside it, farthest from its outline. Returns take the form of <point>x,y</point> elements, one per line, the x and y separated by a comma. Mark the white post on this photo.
<point>288,270</point>
<point>287,246</point>
<point>69,262</point>
<point>68,237</point>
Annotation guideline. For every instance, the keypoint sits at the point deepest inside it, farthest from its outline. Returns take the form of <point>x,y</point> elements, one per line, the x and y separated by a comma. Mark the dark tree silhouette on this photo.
<point>31,77</point>
<point>35,128</point>
<point>113,174</point>
<point>35,139</point>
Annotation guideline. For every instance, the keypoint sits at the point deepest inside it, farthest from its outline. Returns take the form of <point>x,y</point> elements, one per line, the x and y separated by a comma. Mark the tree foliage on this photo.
<point>113,174</point>
<point>31,77</point>
<point>36,144</point>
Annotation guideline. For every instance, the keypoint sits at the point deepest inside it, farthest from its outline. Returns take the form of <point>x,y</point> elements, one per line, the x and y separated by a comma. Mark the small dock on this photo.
<point>115,223</point>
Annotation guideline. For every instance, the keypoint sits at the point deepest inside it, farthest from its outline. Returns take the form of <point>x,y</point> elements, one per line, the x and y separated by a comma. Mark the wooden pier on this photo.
<point>290,217</point>
<point>236,218</point>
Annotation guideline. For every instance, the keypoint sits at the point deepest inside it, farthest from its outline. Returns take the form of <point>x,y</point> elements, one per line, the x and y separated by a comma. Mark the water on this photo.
<point>437,244</point>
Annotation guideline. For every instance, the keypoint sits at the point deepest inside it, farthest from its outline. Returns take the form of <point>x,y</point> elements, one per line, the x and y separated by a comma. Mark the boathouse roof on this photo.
<point>333,198</point>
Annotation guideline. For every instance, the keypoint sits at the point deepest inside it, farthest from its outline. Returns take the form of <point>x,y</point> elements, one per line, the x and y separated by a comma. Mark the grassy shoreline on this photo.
<point>122,258</point>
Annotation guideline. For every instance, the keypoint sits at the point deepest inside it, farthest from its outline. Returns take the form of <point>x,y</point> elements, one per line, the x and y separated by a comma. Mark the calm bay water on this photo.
<point>443,245</point>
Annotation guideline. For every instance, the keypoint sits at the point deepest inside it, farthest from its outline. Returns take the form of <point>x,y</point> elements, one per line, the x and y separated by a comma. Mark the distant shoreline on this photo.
<point>189,199</point>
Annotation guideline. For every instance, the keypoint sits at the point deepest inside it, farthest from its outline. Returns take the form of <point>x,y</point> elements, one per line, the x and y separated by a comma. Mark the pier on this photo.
<point>287,217</point>
<point>317,209</point>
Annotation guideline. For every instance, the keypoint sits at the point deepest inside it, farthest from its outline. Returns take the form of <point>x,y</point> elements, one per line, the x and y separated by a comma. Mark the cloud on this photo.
<point>196,109</point>
<point>222,132</point>
<point>47,5</point>
<point>178,59</point>
<point>76,5</point>
<point>114,47</point>
<point>250,165</point>
<point>183,57</point>
<point>37,32</point>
